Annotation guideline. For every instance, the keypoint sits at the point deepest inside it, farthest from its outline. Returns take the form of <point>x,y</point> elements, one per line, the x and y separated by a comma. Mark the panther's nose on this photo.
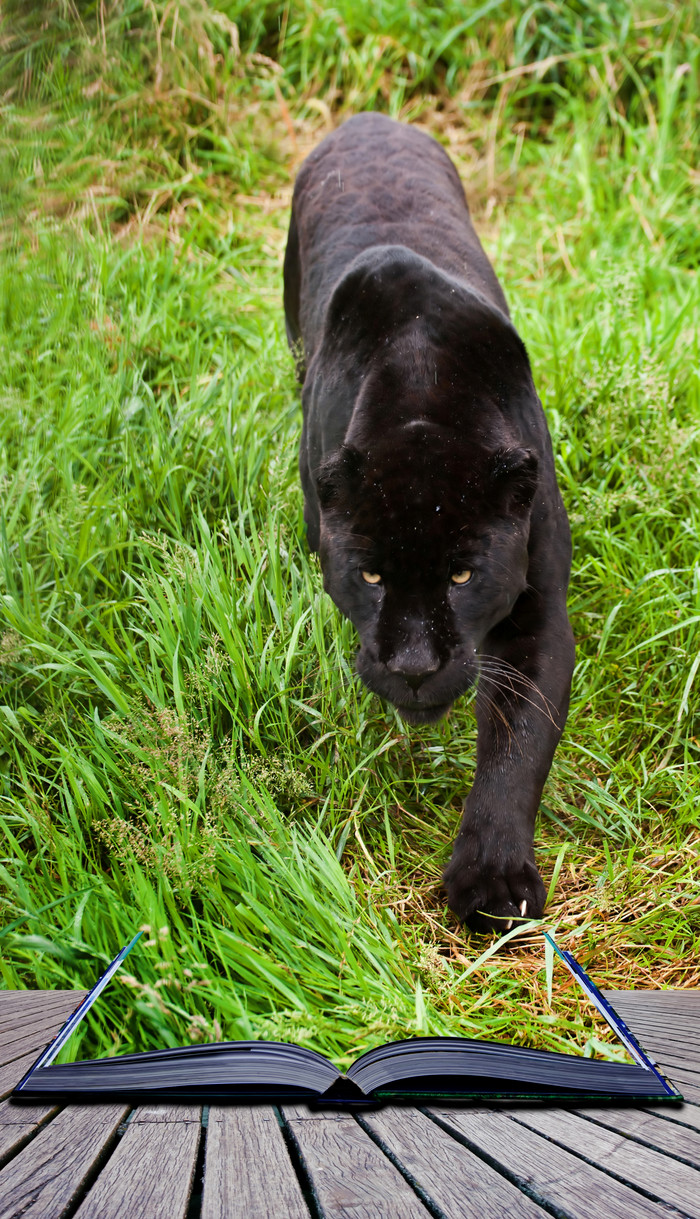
<point>415,664</point>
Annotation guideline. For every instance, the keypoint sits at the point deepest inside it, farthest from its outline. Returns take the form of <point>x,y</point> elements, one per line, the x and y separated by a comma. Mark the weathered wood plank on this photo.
<point>686,1114</point>
<point>13,1072</point>
<point>18,1123</point>
<point>652,1171</point>
<point>14,1114</point>
<point>46,1176</point>
<point>33,1042</point>
<point>248,1173</point>
<point>641,1004</point>
<point>12,996</point>
<point>675,1012</point>
<point>662,1054</point>
<point>451,1175</point>
<point>656,1042</point>
<point>679,1030</point>
<point>349,1173</point>
<point>164,1113</point>
<point>658,1027</point>
<point>30,1019</point>
<point>28,1002</point>
<point>649,1000</point>
<point>651,1130</point>
<point>47,1022</point>
<point>657,1017</point>
<point>671,1035</point>
<point>556,1177</point>
<point>151,1171</point>
<point>675,1033</point>
<point>675,1062</point>
<point>678,1012</point>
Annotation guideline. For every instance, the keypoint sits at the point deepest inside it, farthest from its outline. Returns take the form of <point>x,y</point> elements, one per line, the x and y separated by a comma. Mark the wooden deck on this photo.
<point>114,1161</point>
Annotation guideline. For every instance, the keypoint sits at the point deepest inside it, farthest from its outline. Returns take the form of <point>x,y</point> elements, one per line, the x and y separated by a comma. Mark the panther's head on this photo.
<point>423,545</point>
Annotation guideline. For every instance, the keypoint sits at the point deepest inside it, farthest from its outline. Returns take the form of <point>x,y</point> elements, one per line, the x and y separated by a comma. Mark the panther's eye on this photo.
<point>371,577</point>
<point>461,577</point>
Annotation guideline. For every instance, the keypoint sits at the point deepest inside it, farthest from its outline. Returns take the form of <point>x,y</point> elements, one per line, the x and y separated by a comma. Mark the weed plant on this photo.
<point>183,743</point>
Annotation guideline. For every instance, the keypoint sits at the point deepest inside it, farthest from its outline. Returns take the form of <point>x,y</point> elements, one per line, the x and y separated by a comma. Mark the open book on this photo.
<point>420,1069</point>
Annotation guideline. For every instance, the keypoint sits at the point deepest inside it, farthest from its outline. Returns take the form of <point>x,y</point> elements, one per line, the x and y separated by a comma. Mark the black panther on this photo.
<point>429,480</point>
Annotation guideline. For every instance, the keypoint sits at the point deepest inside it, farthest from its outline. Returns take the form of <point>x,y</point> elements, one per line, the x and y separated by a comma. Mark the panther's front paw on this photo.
<point>488,893</point>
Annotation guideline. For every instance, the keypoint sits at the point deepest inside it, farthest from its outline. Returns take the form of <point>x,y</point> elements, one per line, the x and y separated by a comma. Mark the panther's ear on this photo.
<point>514,473</point>
<point>338,475</point>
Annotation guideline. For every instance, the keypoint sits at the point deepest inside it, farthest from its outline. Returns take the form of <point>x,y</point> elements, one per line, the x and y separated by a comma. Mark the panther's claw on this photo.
<point>490,895</point>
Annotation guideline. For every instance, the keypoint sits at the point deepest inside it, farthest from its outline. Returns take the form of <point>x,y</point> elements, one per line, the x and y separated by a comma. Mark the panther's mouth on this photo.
<point>415,714</point>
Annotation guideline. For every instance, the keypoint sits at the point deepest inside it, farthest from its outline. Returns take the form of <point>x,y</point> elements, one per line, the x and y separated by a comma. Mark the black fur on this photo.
<point>424,454</point>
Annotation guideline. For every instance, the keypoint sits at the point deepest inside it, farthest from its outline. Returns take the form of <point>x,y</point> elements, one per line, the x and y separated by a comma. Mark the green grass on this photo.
<point>183,744</point>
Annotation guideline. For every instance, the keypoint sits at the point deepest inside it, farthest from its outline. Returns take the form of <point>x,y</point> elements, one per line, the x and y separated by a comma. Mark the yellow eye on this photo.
<point>371,577</point>
<point>461,577</point>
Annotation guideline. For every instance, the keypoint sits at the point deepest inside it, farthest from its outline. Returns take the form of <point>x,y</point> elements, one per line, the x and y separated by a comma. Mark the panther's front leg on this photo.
<point>521,706</point>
